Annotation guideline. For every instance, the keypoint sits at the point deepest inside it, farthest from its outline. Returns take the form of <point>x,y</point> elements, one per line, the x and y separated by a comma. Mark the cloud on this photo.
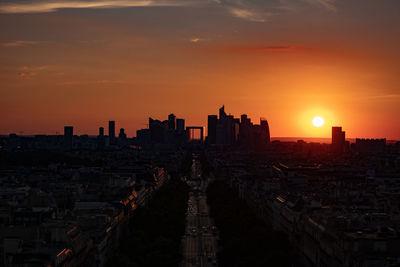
<point>94,82</point>
<point>250,10</point>
<point>30,71</point>
<point>386,96</point>
<point>275,48</point>
<point>19,43</point>
<point>254,49</point>
<point>27,74</point>
<point>248,14</point>
<point>41,6</point>
<point>195,40</point>
<point>41,67</point>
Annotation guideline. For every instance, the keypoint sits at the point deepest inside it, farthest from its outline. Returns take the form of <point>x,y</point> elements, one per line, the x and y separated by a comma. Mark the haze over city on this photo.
<point>83,63</point>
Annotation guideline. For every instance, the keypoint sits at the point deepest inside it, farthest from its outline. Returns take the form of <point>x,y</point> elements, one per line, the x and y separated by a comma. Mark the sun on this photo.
<point>318,121</point>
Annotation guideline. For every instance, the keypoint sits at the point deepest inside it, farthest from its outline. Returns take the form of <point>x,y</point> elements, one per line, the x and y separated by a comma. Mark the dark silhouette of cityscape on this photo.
<point>172,197</point>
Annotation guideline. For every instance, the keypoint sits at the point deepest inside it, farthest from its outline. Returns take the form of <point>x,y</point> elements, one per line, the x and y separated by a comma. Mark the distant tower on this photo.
<point>68,136</point>
<point>180,126</point>
<point>122,133</point>
<point>265,130</point>
<point>100,138</point>
<point>338,139</point>
<point>212,129</point>
<point>222,113</point>
<point>111,131</point>
<point>171,121</point>
<point>243,119</point>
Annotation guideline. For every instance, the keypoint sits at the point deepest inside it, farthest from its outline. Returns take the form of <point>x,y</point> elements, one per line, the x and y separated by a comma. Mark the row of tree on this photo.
<point>245,240</point>
<point>156,231</point>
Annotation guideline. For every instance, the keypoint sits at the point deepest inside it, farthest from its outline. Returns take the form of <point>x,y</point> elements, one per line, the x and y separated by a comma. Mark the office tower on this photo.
<point>111,131</point>
<point>100,138</point>
<point>338,139</point>
<point>158,130</point>
<point>122,134</point>
<point>265,130</point>
<point>222,113</point>
<point>171,121</point>
<point>212,129</point>
<point>180,126</point>
<point>243,119</point>
<point>68,136</point>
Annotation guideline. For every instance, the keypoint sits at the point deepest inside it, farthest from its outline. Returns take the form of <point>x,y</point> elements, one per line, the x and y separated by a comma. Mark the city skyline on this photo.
<point>83,63</point>
<point>105,125</point>
<point>200,133</point>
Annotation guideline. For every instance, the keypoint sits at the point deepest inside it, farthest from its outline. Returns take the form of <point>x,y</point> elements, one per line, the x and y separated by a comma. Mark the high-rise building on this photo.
<point>180,126</point>
<point>158,130</point>
<point>68,136</point>
<point>222,113</point>
<point>171,121</point>
<point>230,130</point>
<point>243,119</point>
<point>338,139</point>
<point>111,131</point>
<point>212,129</point>
<point>122,133</point>
<point>265,130</point>
<point>100,138</point>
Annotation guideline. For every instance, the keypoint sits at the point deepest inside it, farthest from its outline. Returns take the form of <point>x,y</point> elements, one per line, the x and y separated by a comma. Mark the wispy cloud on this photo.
<point>248,14</point>
<point>41,6</point>
<point>42,67</point>
<point>250,10</point>
<point>254,49</point>
<point>262,11</point>
<point>385,96</point>
<point>27,74</point>
<point>19,43</point>
<point>30,71</point>
<point>195,40</point>
<point>94,82</point>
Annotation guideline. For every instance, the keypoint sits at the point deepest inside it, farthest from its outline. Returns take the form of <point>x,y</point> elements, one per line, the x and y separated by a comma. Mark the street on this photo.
<point>199,244</point>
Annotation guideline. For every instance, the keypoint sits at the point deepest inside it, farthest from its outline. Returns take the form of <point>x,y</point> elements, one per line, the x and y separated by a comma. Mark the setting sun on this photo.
<point>318,121</point>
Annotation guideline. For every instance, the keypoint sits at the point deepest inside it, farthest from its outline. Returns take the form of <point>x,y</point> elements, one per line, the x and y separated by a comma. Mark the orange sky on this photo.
<point>83,66</point>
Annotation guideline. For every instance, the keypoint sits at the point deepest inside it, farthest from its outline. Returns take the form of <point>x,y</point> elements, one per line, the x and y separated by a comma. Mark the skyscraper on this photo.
<point>180,126</point>
<point>338,139</point>
<point>212,129</point>
<point>171,121</point>
<point>100,138</point>
<point>122,133</point>
<point>244,120</point>
<point>265,130</point>
<point>68,136</point>
<point>222,113</point>
<point>111,131</point>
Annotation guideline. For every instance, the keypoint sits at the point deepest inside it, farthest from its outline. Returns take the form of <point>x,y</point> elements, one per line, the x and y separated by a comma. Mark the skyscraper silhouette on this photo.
<point>180,126</point>
<point>171,121</point>
<point>338,139</point>
<point>265,130</point>
<point>111,131</point>
<point>212,129</point>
